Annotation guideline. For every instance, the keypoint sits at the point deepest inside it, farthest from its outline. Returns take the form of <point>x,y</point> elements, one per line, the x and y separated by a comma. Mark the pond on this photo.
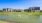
<point>22,18</point>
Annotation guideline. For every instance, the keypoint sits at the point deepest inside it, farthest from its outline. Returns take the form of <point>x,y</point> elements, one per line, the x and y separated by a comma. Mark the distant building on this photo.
<point>37,10</point>
<point>12,10</point>
<point>7,9</point>
<point>18,10</point>
<point>33,9</point>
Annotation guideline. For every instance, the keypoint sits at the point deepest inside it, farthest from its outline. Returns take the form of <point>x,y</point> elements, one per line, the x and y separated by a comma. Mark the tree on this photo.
<point>1,11</point>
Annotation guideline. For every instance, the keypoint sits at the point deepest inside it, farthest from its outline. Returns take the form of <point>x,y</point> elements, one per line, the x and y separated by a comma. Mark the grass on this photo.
<point>30,13</point>
<point>35,13</point>
<point>41,13</point>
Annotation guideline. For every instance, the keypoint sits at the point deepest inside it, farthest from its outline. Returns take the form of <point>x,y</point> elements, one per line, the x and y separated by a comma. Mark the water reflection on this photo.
<point>40,18</point>
<point>34,19</point>
<point>21,18</point>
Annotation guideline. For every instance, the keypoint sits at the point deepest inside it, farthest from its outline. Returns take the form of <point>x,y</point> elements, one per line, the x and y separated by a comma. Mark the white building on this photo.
<point>37,10</point>
<point>12,10</point>
<point>7,9</point>
<point>34,9</point>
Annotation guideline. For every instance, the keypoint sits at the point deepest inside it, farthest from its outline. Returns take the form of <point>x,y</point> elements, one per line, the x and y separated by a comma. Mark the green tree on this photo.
<point>1,10</point>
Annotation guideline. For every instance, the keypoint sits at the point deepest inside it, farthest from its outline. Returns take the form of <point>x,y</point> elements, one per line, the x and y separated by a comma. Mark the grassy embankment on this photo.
<point>30,13</point>
<point>6,22</point>
<point>41,13</point>
<point>3,22</point>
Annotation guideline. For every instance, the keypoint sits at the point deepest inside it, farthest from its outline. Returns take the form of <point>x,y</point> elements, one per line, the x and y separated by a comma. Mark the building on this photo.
<point>12,10</point>
<point>37,10</point>
<point>33,9</point>
<point>7,9</point>
<point>18,10</point>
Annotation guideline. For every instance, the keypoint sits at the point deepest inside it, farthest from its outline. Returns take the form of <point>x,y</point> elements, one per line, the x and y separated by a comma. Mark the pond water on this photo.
<point>21,18</point>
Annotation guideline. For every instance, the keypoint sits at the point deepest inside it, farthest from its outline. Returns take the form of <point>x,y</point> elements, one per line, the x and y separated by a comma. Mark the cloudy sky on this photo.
<point>20,4</point>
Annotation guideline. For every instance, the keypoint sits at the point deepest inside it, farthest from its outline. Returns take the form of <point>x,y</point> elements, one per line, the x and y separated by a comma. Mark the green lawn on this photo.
<point>41,13</point>
<point>30,13</point>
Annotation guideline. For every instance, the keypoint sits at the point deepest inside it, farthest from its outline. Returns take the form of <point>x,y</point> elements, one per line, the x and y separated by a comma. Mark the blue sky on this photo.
<point>20,4</point>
